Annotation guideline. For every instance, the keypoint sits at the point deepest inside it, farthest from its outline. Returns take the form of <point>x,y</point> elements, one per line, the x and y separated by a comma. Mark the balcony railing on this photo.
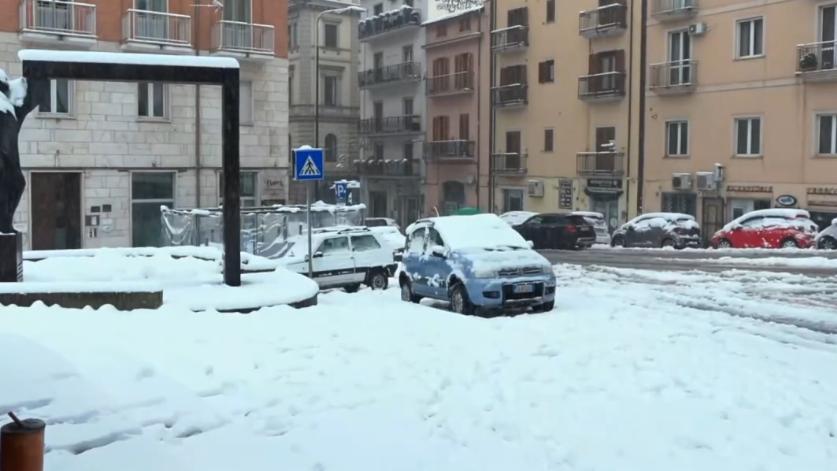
<point>600,164</point>
<point>608,20</point>
<point>817,60</point>
<point>387,22</point>
<point>154,27</point>
<point>513,37</point>
<point>387,168</point>
<point>673,77</point>
<point>243,38</point>
<point>58,17</point>
<point>673,9</point>
<point>510,95</point>
<point>602,87</point>
<point>510,163</point>
<point>391,125</point>
<point>406,71</point>
<point>450,84</point>
<point>451,150</point>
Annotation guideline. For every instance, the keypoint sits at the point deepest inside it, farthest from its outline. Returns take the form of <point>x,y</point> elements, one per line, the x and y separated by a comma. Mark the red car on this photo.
<point>768,229</point>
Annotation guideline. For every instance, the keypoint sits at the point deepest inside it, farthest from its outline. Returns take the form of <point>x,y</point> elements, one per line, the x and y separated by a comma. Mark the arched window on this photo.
<point>453,195</point>
<point>330,148</point>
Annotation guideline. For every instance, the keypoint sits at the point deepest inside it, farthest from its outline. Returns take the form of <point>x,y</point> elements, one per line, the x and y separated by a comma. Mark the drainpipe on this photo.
<point>479,107</point>
<point>492,112</point>
<point>196,36</point>
<point>630,110</point>
<point>640,183</point>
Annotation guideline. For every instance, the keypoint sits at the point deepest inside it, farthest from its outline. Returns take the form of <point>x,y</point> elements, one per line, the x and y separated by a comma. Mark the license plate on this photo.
<point>524,288</point>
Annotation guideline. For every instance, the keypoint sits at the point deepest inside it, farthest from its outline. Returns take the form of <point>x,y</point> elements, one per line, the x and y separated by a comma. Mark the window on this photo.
<point>464,127</point>
<point>685,203</point>
<point>415,243</point>
<point>407,53</point>
<point>548,140</point>
<point>434,238</point>
<point>291,86</point>
<point>748,136</point>
<point>465,24</point>
<point>246,188</point>
<point>408,151</point>
<point>441,30</point>
<point>330,90</point>
<point>550,11</point>
<point>149,190</point>
<point>152,100</point>
<point>330,150</point>
<point>677,138</point>
<point>750,37</point>
<point>245,102</point>
<point>378,8</point>
<point>237,10</point>
<point>364,243</point>
<point>60,97</point>
<point>334,246</point>
<point>518,17</point>
<point>546,71</point>
<point>440,128</point>
<point>331,35</point>
<point>753,222</point>
<point>408,107</point>
<point>379,150</point>
<point>512,200</point>
<point>293,36</point>
<point>827,128</point>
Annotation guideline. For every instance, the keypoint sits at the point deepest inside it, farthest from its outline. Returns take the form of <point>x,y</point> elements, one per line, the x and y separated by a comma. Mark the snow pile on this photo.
<point>796,262</point>
<point>96,57</point>
<point>488,262</point>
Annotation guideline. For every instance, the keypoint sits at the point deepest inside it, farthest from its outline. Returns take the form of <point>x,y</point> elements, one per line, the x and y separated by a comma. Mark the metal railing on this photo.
<point>458,82</point>
<point>388,21</point>
<point>390,74</point>
<point>676,74</point>
<point>509,38</point>
<point>600,163</point>
<point>391,125</point>
<point>387,168</point>
<point>816,57</point>
<point>510,163</point>
<point>451,150</point>
<point>238,36</point>
<point>512,94</point>
<point>608,84</point>
<point>58,17</point>
<point>673,8</point>
<point>602,20</point>
<point>157,28</point>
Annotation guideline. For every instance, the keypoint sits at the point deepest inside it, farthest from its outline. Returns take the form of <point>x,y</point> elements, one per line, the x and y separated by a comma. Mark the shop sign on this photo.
<point>565,194</point>
<point>822,190</point>
<point>750,188</point>
<point>273,184</point>
<point>786,201</point>
<point>604,183</point>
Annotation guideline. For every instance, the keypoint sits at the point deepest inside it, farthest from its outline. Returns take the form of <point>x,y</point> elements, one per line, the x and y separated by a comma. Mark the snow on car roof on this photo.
<point>666,216</point>
<point>588,214</point>
<point>479,231</point>
<point>772,212</point>
<point>516,217</point>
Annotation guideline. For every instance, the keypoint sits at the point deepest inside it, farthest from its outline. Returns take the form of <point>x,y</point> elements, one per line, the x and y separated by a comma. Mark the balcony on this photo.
<point>390,74</point>
<point>450,84</point>
<point>510,95</point>
<point>673,78</point>
<point>155,29</point>
<point>451,151</point>
<point>391,125</point>
<point>511,38</point>
<point>510,163</point>
<point>57,20</point>
<point>609,86</point>
<point>384,168</point>
<point>243,39</point>
<point>608,20</point>
<point>384,24</point>
<point>672,10</point>
<point>600,164</point>
<point>816,61</point>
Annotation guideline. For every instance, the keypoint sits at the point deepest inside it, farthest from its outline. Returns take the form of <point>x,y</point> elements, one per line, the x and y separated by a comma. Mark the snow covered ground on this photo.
<point>634,370</point>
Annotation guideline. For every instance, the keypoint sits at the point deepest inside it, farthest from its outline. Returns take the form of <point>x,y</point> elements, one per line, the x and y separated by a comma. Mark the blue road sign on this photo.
<point>341,191</point>
<point>308,164</point>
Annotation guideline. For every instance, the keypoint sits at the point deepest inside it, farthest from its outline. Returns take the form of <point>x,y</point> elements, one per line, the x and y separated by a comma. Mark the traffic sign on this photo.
<point>308,164</point>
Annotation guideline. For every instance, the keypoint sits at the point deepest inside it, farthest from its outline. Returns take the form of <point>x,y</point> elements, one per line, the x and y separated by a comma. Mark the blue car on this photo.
<point>477,263</point>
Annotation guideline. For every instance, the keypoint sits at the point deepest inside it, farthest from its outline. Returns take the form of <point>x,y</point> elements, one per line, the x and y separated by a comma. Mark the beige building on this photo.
<point>741,108</point>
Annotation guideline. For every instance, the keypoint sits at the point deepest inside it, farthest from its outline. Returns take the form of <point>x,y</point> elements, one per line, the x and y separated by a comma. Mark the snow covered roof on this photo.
<point>453,15</point>
<point>126,58</point>
<point>477,231</point>
<point>588,214</point>
<point>777,212</point>
<point>666,216</point>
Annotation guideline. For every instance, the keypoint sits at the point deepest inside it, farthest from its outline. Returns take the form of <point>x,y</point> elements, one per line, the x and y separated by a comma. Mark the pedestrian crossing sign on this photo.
<point>308,164</point>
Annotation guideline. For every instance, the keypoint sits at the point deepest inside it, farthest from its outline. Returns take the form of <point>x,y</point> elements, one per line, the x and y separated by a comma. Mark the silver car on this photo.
<point>597,220</point>
<point>827,238</point>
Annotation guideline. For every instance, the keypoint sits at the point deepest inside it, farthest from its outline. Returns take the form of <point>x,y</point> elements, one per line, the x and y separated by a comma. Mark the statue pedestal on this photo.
<point>11,258</point>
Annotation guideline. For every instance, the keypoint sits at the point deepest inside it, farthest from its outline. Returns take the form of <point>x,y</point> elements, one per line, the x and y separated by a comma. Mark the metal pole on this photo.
<point>308,219</point>
<point>231,166</point>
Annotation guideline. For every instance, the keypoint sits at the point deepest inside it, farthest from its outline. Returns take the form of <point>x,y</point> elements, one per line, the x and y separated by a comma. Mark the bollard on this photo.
<point>22,445</point>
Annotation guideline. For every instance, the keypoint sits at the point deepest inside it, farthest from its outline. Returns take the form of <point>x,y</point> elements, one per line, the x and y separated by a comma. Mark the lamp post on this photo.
<point>334,11</point>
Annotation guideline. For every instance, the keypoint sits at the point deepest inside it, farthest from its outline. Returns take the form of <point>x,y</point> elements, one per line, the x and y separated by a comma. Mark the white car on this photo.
<point>342,258</point>
<point>597,220</point>
<point>515,218</point>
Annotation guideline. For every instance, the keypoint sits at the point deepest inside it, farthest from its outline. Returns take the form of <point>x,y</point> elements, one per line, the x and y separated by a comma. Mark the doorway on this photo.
<point>679,57</point>
<point>608,205</point>
<point>56,211</point>
<point>712,219</point>
<point>828,35</point>
<point>378,203</point>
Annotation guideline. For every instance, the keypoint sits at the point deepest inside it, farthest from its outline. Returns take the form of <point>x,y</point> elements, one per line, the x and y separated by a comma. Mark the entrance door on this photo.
<point>828,35</point>
<point>679,57</point>
<point>409,211</point>
<point>512,150</point>
<point>605,147</point>
<point>56,211</point>
<point>379,204</point>
<point>608,206</point>
<point>713,218</point>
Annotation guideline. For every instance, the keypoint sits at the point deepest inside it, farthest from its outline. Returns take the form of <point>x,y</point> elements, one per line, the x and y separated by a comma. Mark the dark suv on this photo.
<point>658,230</point>
<point>557,231</point>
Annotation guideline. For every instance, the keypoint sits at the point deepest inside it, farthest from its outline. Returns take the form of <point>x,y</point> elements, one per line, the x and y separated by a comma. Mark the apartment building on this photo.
<point>339,98</point>
<point>741,108</point>
<point>457,162</point>
<point>561,103</point>
<point>101,158</point>
<point>392,108</point>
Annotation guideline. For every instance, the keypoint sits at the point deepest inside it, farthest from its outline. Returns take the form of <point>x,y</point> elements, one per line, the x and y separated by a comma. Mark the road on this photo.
<point>701,260</point>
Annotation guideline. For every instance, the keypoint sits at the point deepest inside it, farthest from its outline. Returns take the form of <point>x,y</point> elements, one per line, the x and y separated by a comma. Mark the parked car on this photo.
<point>599,223</point>
<point>658,230</point>
<point>557,231</point>
<point>381,222</point>
<point>342,258</point>
<point>827,239</point>
<point>513,218</point>
<point>768,228</point>
<point>478,263</point>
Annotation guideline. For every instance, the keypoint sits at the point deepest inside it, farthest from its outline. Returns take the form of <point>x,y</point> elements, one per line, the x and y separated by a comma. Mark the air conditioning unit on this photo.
<point>698,29</point>
<point>536,188</point>
<point>706,181</point>
<point>681,181</point>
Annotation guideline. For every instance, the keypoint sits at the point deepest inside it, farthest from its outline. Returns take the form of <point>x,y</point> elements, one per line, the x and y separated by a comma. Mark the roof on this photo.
<point>666,215</point>
<point>456,14</point>
<point>776,212</point>
<point>94,57</point>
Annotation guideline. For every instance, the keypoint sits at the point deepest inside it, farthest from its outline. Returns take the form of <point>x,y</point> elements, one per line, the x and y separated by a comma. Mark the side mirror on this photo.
<point>629,227</point>
<point>531,244</point>
<point>438,251</point>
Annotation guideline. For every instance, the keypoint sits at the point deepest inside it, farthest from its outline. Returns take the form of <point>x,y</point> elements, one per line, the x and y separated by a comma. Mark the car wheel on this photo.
<point>459,302</point>
<point>724,244</point>
<point>827,243</point>
<point>407,293</point>
<point>545,307</point>
<point>351,288</point>
<point>667,243</point>
<point>378,279</point>
<point>789,244</point>
<point>617,242</point>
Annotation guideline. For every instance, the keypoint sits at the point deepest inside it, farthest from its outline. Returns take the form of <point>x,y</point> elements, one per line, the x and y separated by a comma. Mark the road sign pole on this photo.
<point>308,212</point>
